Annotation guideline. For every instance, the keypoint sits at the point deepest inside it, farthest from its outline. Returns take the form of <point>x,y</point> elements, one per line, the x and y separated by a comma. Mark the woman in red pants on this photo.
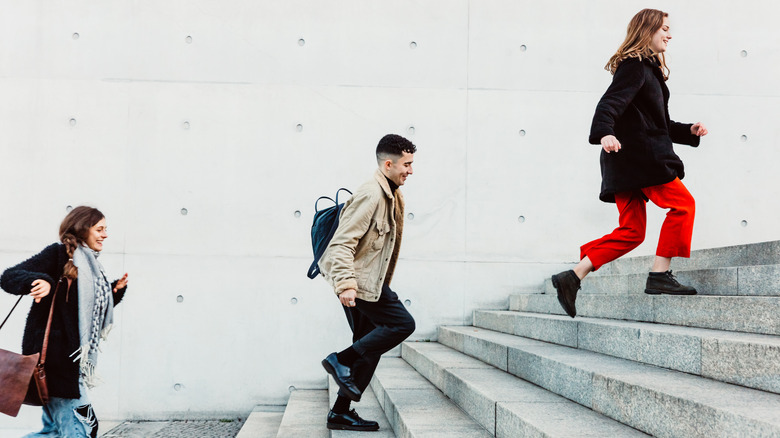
<point>638,162</point>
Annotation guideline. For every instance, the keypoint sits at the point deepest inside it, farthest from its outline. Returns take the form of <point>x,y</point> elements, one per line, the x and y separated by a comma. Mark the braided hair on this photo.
<point>74,230</point>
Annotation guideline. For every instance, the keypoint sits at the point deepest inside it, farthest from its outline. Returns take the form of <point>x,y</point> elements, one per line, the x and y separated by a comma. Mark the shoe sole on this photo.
<point>345,427</point>
<point>352,396</point>
<point>568,311</point>
<point>665,292</point>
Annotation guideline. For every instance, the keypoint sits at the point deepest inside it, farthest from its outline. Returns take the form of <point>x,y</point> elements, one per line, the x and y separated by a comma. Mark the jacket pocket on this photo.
<point>382,228</point>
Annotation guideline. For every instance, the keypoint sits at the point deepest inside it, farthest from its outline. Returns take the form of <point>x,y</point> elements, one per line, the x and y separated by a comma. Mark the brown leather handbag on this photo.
<point>23,378</point>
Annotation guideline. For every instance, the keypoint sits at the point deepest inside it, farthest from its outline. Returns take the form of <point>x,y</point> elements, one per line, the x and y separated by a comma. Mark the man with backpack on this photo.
<point>359,263</point>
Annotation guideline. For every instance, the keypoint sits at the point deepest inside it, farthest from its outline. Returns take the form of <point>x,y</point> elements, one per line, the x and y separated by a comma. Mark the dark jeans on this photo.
<point>376,329</point>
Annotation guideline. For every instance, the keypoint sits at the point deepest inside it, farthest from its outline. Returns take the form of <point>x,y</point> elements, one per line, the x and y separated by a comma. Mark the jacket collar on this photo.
<point>380,178</point>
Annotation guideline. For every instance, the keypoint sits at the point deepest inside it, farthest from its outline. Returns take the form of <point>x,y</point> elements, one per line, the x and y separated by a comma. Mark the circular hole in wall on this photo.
<point>408,303</point>
<point>188,40</point>
<point>291,388</point>
<point>522,133</point>
<point>410,130</point>
<point>743,223</point>
<point>179,299</point>
<point>410,216</point>
<point>413,45</point>
<point>299,127</point>
<point>743,138</point>
<point>186,125</point>
<point>523,48</point>
<point>293,300</point>
<point>68,208</point>
<point>743,54</point>
<point>184,212</point>
<point>178,387</point>
<point>297,214</point>
<point>72,122</point>
<point>521,219</point>
<point>301,42</point>
<point>75,35</point>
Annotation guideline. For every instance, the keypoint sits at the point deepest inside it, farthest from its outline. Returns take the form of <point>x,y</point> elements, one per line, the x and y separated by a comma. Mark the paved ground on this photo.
<point>227,428</point>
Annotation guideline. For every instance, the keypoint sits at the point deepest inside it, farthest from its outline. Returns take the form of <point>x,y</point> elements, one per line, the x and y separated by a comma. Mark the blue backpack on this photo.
<point>323,228</point>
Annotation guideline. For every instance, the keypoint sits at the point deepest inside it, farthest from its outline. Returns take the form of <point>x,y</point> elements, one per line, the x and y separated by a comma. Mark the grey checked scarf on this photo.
<point>96,311</point>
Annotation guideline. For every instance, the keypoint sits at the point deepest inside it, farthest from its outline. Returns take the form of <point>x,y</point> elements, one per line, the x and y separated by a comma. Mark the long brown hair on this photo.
<point>74,230</point>
<point>638,37</point>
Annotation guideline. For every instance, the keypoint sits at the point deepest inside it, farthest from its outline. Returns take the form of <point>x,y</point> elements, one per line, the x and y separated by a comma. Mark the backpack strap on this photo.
<point>314,269</point>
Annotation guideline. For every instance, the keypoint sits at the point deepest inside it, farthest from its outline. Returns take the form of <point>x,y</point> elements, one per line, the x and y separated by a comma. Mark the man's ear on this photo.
<point>388,164</point>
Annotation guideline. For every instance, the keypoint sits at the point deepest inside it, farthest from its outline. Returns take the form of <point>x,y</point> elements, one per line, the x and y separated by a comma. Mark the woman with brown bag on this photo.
<point>82,316</point>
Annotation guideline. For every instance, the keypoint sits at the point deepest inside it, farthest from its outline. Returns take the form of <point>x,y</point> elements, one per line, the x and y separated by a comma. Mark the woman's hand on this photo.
<point>699,130</point>
<point>610,143</point>
<point>121,283</point>
<point>40,288</point>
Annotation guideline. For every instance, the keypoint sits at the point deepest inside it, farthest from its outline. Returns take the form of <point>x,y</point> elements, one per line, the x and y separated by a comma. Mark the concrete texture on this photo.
<point>733,313</point>
<point>657,401</point>
<point>305,415</point>
<point>261,424</point>
<point>481,391</point>
<point>420,410</point>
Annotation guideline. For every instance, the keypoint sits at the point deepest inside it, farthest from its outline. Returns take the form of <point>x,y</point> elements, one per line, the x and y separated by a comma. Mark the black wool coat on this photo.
<point>61,372</point>
<point>635,109</point>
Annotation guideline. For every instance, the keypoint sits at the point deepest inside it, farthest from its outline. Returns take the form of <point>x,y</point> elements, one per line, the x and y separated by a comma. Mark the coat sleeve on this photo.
<point>629,78</point>
<point>354,223</point>
<point>681,134</point>
<point>18,279</point>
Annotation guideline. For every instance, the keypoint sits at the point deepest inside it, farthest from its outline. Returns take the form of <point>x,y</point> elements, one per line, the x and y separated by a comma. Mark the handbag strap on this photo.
<point>42,360</point>
<point>12,311</point>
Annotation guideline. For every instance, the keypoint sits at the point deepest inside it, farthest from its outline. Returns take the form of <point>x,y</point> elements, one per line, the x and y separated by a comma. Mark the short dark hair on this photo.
<point>393,145</point>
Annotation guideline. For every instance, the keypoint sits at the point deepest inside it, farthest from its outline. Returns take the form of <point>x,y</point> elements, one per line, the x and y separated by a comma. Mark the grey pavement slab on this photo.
<point>176,429</point>
<point>481,390</point>
<point>657,401</point>
<point>420,410</point>
<point>748,314</point>
<point>262,423</point>
<point>305,415</point>
<point>368,408</point>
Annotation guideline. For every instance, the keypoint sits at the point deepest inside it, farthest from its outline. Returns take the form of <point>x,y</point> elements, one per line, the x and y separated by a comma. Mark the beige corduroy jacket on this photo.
<point>364,250</point>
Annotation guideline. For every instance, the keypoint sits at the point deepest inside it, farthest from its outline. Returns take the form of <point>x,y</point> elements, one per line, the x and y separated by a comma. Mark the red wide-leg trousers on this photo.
<point>676,232</point>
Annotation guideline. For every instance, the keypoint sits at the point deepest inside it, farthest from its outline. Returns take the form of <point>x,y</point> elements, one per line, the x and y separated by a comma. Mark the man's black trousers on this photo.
<point>376,329</point>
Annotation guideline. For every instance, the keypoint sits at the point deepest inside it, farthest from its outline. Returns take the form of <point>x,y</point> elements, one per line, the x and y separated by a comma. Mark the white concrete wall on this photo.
<point>244,112</point>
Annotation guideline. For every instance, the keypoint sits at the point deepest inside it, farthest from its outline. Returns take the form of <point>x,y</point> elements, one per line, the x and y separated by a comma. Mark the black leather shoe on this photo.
<point>342,375</point>
<point>567,284</point>
<point>350,421</point>
<point>665,283</point>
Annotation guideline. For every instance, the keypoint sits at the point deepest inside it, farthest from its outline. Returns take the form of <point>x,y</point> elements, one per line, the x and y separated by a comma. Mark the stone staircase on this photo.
<point>629,365</point>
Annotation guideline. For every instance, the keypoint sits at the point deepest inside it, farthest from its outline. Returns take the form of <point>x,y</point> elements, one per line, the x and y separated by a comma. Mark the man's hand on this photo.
<point>40,288</point>
<point>347,297</point>
<point>699,130</point>
<point>610,143</point>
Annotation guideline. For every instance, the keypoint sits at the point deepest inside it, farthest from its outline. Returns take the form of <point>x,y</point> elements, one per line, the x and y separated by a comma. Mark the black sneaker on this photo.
<point>350,421</point>
<point>665,283</point>
<point>567,284</point>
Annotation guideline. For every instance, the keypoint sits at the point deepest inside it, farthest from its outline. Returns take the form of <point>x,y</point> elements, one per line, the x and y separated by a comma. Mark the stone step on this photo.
<point>741,358</point>
<point>657,401</point>
<point>730,313</point>
<point>368,408</point>
<point>263,422</point>
<point>763,280</point>
<point>763,253</point>
<point>305,415</point>
<point>503,404</point>
<point>415,408</point>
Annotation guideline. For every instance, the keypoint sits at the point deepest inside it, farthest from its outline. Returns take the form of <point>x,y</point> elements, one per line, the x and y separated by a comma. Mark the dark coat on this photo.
<point>62,373</point>
<point>635,109</point>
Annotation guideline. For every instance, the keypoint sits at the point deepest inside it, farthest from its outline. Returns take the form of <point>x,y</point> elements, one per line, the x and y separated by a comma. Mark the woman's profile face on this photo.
<point>96,235</point>
<point>661,38</point>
